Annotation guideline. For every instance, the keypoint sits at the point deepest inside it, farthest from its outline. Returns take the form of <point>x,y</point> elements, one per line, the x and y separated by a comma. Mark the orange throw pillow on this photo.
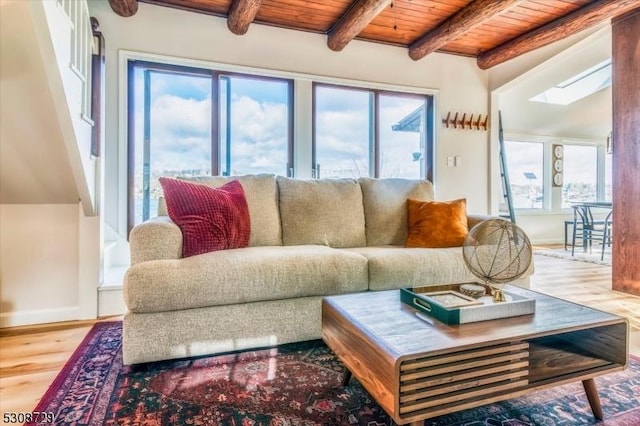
<point>436,224</point>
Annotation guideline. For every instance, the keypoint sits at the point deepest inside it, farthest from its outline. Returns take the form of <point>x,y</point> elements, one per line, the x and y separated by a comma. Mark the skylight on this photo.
<point>579,86</point>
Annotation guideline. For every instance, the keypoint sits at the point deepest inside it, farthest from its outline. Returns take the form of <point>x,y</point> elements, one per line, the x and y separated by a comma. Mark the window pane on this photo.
<point>580,174</point>
<point>257,139</point>
<point>525,167</point>
<point>343,132</point>
<point>402,136</point>
<point>178,122</point>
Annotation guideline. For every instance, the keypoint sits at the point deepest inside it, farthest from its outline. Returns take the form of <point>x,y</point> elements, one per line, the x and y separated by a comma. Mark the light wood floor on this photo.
<point>31,357</point>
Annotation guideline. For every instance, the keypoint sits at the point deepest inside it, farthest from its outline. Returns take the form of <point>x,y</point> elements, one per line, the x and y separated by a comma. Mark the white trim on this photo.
<point>549,242</point>
<point>122,146</point>
<point>111,301</point>
<point>38,316</point>
<point>89,243</point>
<point>303,128</point>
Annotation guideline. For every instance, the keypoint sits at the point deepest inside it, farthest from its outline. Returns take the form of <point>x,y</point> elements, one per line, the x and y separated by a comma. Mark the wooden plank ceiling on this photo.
<point>493,31</point>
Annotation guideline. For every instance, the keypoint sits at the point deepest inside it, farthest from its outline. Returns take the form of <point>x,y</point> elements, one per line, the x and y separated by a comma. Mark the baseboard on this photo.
<point>110,301</point>
<point>38,316</point>
<point>548,242</point>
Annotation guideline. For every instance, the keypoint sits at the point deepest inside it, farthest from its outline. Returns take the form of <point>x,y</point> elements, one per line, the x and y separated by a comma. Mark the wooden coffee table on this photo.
<point>418,368</point>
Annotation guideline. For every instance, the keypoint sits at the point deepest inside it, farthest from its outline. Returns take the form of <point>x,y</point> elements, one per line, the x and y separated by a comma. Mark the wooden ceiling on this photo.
<point>493,31</point>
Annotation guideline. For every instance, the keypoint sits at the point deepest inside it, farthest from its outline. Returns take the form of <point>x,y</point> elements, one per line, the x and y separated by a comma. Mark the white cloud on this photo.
<point>177,117</point>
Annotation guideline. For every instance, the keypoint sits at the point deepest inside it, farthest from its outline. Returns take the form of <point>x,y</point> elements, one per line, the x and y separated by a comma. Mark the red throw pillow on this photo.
<point>210,218</point>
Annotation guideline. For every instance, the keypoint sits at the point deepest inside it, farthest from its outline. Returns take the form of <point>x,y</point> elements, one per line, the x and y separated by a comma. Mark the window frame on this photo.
<point>118,206</point>
<point>552,196</point>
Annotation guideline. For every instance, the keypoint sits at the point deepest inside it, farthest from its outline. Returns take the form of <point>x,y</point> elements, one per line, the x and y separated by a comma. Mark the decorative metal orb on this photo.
<point>497,251</point>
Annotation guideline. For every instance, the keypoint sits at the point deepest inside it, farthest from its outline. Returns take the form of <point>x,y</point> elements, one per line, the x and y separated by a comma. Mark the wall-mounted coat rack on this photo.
<point>462,123</point>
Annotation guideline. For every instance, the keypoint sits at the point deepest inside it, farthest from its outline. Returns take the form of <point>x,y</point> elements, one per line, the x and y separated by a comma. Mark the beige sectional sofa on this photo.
<point>309,239</point>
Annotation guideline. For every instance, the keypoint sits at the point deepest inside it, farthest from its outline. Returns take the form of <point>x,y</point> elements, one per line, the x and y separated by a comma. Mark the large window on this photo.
<point>365,132</point>
<point>195,121</point>
<point>525,165</point>
<point>178,126</point>
<point>580,181</point>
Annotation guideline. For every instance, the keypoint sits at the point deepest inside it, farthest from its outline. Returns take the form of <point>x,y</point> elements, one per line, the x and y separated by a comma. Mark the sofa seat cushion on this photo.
<point>392,267</point>
<point>243,275</point>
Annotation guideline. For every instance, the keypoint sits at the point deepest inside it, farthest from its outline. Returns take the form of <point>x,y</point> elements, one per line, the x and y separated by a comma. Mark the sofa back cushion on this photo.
<point>321,211</point>
<point>385,207</point>
<point>261,193</point>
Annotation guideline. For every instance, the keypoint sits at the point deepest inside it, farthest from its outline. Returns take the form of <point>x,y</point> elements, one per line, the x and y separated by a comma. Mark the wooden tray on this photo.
<point>428,300</point>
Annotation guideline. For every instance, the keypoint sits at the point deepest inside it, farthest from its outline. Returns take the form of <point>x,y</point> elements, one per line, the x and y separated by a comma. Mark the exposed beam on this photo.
<point>558,29</point>
<point>625,34</point>
<point>241,15</point>
<point>356,19</point>
<point>464,20</point>
<point>124,8</point>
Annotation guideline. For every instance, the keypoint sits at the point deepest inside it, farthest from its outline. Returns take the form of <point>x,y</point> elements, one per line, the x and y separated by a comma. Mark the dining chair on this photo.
<point>587,230</point>
<point>608,233</point>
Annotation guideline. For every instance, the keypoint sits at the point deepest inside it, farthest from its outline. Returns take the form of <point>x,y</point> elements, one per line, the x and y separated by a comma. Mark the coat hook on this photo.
<point>465,123</point>
<point>446,120</point>
<point>484,125</point>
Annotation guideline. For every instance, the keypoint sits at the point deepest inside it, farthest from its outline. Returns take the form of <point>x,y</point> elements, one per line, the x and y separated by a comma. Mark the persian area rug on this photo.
<point>297,384</point>
<point>579,255</point>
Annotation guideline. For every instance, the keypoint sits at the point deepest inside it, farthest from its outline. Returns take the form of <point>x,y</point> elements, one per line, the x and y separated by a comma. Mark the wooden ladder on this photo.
<point>504,175</point>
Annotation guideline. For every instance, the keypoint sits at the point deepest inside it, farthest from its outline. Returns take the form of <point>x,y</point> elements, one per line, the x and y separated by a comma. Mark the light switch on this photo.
<point>450,162</point>
<point>458,161</point>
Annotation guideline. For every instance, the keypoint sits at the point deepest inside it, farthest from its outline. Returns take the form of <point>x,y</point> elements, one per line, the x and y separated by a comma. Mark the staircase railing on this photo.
<point>81,48</point>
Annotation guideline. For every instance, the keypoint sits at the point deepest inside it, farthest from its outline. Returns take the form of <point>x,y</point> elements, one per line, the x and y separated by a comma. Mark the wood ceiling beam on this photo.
<point>124,8</point>
<point>567,25</point>
<point>464,20</point>
<point>356,19</point>
<point>241,15</point>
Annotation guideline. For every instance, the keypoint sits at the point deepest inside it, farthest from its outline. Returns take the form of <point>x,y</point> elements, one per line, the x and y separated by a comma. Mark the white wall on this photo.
<point>49,252</point>
<point>34,164</point>
<point>460,84</point>
<point>585,121</point>
<point>38,263</point>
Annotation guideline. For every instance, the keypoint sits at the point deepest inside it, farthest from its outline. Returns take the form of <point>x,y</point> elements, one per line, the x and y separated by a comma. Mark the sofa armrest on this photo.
<point>157,238</point>
<point>474,219</point>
